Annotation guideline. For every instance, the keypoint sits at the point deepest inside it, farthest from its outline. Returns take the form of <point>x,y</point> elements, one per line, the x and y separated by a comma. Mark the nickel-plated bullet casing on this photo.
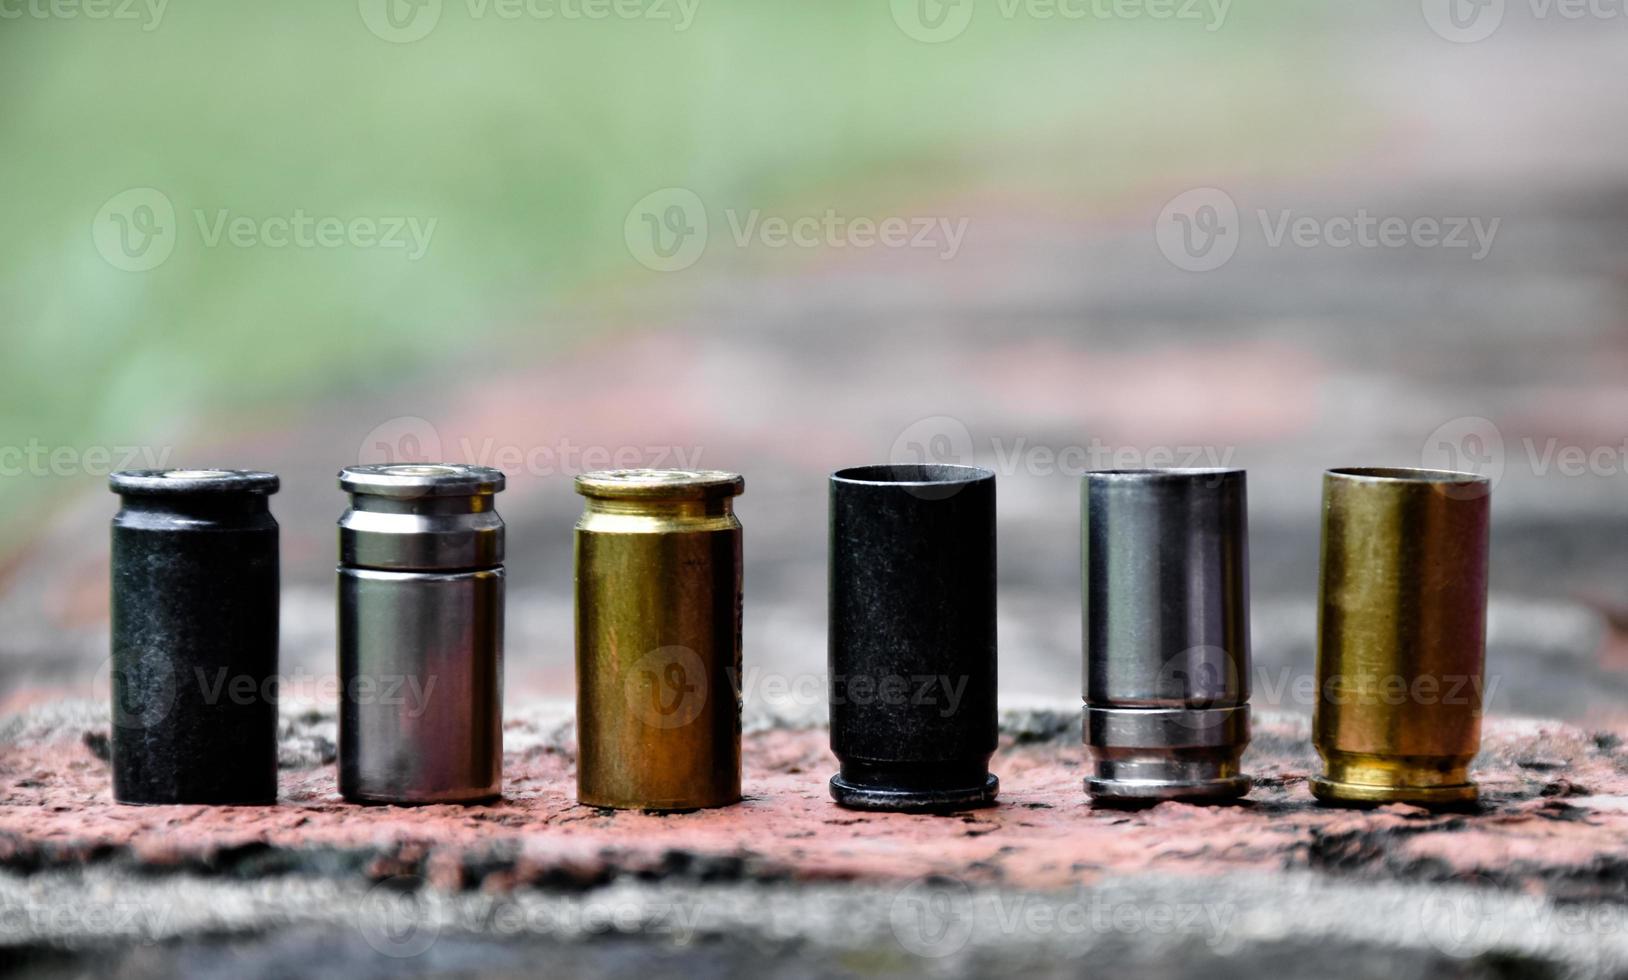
<point>1401,635</point>
<point>912,637</point>
<point>1165,568</point>
<point>195,595</point>
<point>658,623</point>
<point>421,635</point>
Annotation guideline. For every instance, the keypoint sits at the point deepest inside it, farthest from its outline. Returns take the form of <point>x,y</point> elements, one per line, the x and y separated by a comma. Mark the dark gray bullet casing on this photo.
<point>421,592</point>
<point>195,583</point>
<point>912,637</point>
<point>1165,569</point>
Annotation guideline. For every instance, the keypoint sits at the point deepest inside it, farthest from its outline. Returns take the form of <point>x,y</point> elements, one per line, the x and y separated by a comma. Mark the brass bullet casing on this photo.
<point>658,622</point>
<point>1401,628</point>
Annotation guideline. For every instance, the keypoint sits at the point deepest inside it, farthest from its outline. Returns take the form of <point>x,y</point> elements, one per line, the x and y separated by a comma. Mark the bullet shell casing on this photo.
<point>195,588</point>
<point>912,642</point>
<point>1165,573</point>
<point>1401,635</point>
<point>658,639</point>
<point>421,620</point>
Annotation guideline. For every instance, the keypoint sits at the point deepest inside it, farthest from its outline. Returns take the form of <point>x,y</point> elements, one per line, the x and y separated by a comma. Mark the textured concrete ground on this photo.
<point>786,881</point>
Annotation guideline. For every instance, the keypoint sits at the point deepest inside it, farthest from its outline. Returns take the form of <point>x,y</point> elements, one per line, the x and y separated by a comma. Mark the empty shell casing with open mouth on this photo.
<point>912,637</point>
<point>1401,628</point>
<point>1165,570</point>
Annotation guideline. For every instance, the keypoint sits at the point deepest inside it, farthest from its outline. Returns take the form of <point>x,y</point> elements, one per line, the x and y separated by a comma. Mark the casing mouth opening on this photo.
<point>913,474</point>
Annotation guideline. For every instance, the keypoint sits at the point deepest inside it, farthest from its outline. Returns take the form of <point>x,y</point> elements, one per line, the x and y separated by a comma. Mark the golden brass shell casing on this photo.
<point>1401,631</point>
<point>658,627</point>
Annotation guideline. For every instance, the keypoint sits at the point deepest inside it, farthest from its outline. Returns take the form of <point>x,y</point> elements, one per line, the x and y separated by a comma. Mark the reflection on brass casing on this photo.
<point>1401,631</point>
<point>658,623</point>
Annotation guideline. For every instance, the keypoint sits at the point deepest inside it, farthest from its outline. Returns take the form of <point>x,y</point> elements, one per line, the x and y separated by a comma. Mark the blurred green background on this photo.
<point>526,139</point>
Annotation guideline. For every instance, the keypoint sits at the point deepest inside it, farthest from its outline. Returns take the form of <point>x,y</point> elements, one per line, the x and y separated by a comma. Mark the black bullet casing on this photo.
<point>195,590</point>
<point>912,637</point>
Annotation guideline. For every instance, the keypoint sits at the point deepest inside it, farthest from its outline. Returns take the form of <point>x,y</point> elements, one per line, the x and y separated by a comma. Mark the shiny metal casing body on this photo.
<point>658,639</point>
<point>421,592</point>
<point>1402,620</point>
<point>1165,574</point>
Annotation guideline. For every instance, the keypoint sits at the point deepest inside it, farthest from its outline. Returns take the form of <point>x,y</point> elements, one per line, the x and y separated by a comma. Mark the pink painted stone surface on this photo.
<point>1555,818</point>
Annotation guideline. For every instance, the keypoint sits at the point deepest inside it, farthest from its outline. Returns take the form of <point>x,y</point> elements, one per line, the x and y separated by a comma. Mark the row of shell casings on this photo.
<point>912,644</point>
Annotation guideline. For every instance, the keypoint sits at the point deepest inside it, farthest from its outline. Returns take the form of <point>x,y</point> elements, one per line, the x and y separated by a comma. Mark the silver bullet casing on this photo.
<point>1165,568</point>
<point>421,586</point>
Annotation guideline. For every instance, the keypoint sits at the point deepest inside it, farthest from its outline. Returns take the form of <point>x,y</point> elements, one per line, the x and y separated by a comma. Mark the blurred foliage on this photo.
<point>527,140</point>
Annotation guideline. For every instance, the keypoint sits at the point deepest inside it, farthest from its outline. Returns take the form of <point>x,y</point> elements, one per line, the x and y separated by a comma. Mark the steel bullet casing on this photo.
<point>421,592</point>
<point>1401,635</point>
<point>912,637</point>
<point>658,631</point>
<point>1165,570</point>
<point>195,581</point>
